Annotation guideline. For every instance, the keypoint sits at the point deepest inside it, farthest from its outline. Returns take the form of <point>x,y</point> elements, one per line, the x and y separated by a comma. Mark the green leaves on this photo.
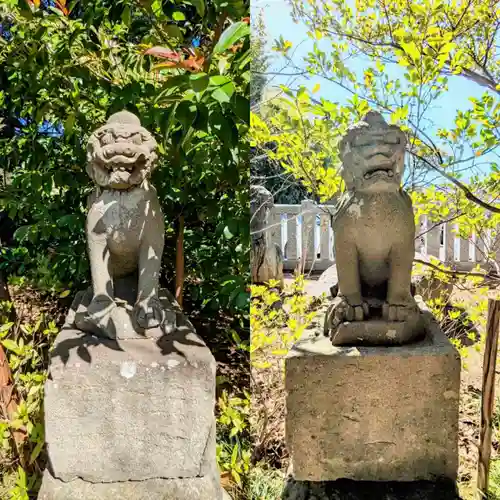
<point>22,233</point>
<point>199,82</point>
<point>200,6</point>
<point>186,113</point>
<point>224,88</point>
<point>227,233</point>
<point>178,16</point>
<point>230,36</point>
<point>411,50</point>
<point>11,345</point>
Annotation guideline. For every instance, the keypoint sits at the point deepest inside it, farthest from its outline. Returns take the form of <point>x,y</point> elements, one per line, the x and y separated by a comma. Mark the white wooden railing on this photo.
<point>305,236</point>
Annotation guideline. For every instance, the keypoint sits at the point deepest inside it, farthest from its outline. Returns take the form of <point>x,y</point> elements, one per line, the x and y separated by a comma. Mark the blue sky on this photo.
<point>279,22</point>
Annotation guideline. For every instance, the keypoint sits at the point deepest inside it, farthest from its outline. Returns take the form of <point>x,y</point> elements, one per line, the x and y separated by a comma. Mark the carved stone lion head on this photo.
<point>372,154</point>
<point>121,153</point>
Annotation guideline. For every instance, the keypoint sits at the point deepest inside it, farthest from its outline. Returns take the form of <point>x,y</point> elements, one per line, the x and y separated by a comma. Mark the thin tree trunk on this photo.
<point>488,396</point>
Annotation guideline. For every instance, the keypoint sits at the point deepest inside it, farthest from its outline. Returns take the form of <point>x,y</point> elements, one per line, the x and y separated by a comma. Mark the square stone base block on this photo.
<point>196,488</point>
<point>373,413</point>
<point>127,418</point>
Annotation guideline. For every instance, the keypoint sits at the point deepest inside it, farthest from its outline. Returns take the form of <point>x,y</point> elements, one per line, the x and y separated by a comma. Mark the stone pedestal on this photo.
<point>131,419</point>
<point>373,413</point>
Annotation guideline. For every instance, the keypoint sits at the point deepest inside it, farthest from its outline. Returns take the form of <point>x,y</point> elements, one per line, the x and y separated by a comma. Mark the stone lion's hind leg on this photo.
<point>400,305</point>
<point>351,307</point>
<point>148,310</point>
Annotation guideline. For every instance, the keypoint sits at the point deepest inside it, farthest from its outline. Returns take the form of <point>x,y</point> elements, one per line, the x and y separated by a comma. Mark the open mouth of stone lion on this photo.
<point>123,162</point>
<point>379,165</point>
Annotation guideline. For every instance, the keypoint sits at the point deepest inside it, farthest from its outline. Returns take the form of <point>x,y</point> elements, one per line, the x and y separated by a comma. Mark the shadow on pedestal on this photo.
<point>345,489</point>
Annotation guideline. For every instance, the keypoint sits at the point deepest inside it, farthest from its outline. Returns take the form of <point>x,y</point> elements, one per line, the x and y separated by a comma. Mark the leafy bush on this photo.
<point>233,443</point>
<point>277,320</point>
<point>22,437</point>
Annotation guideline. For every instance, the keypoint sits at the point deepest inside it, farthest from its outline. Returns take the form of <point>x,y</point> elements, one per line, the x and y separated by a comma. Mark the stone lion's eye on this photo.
<point>137,139</point>
<point>107,138</point>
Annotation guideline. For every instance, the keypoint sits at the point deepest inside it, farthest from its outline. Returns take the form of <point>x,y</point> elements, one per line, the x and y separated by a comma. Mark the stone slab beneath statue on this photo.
<point>121,323</point>
<point>379,332</point>
<point>130,410</point>
<point>373,413</point>
<point>195,488</point>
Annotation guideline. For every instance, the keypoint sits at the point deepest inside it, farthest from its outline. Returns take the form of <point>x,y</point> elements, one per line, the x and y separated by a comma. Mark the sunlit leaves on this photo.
<point>302,136</point>
<point>231,35</point>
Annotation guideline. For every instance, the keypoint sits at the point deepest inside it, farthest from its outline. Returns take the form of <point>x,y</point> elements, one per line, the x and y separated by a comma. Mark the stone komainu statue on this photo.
<point>266,256</point>
<point>125,228</point>
<point>374,236</point>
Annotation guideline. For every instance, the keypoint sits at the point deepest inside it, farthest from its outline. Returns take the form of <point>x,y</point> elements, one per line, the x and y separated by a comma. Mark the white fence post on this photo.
<point>308,213</point>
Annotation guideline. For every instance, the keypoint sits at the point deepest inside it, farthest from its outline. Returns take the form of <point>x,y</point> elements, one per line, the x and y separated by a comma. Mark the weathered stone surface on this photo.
<point>125,227</point>
<point>374,228</point>
<point>267,263</point>
<point>373,413</point>
<point>194,488</point>
<point>130,410</point>
<point>378,332</point>
<point>428,287</point>
<point>266,257</point>
<point>121,323</point>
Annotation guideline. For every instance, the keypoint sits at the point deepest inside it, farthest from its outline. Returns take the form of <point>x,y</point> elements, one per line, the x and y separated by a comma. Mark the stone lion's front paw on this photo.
<point>100,309</point>
<point>342,310</point>
<point>398,312</point>
<point>97,316</point>
<point>355,312</point>
<point>149,313</point>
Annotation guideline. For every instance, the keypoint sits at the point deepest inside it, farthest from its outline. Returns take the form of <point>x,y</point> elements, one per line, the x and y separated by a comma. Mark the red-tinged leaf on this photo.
<point>163,53</point>
<point>193,64</point>
<point>245,20</point>
<point>168,65</point>
<point>61,5</point>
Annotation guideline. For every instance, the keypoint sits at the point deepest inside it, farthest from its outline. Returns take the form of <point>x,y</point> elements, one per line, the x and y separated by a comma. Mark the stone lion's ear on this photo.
<point>90,169</point>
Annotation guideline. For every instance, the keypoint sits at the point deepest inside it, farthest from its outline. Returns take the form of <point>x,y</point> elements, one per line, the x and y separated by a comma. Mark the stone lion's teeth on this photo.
<point>391,173</point>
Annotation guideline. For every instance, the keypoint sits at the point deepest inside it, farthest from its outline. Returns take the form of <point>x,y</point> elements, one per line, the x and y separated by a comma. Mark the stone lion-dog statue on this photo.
<point>125,227</point>
<point>374,233</point>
